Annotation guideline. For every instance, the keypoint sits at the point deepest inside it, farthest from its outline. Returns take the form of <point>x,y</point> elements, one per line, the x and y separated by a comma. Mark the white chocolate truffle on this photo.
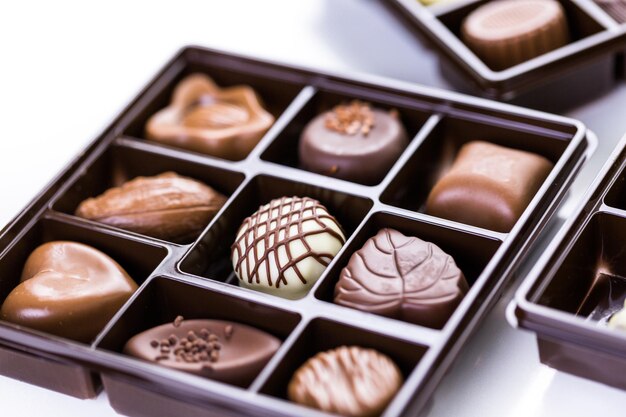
<point>284,247</point>
<point>618,320</point>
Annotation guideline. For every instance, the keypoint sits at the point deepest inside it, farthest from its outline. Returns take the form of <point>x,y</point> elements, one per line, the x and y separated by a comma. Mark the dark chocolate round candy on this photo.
<point>402,277</point>
<point>353,142</point>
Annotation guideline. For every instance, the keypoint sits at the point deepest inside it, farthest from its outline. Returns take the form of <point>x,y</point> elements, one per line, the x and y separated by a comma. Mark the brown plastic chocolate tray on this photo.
<point>579,283</point>
<point>584,68</point>
<point>196,280</point>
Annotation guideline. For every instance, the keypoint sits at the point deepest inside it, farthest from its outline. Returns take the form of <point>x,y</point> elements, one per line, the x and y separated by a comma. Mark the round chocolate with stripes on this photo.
<point>284,247</point>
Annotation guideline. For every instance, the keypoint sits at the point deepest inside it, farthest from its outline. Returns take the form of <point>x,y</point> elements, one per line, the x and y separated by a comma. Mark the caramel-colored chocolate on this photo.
<point>504,33</point>
<point>402,277</point>
<point>349,381</point>
<point>166,206</point>
<point>488,186</point>
<point>202,117</point>
<point>216,349</point>
<point>68,289</point>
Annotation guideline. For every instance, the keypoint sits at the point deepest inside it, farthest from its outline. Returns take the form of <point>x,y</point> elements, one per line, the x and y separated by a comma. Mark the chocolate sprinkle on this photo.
<point>203,346</point>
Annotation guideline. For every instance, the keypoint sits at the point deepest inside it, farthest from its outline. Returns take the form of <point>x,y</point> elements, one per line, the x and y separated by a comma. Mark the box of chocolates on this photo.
<point>574,297</point>
<point>547,54</point>
<point>250,238</point>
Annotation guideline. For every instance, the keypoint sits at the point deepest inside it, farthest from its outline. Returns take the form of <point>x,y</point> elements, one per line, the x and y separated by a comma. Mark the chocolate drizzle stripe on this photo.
<point>281,215</point>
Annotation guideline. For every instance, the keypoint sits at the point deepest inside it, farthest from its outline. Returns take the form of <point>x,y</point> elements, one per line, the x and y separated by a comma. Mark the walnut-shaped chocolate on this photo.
<point>166,206</point>
<point>285,246</point>
<point>202,117</point>
<point>402,277</point>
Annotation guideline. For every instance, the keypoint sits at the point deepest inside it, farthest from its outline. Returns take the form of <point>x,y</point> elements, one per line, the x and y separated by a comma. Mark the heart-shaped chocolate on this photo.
<point>68,289</point>
<point>202,117</point>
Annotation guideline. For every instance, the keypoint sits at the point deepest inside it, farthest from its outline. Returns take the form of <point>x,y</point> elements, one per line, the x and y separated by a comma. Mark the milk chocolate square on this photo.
<point>488,186</point>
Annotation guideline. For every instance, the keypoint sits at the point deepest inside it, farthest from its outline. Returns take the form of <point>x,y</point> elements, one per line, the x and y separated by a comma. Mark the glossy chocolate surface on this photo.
<point>488,186</point>
<point>216,349</point>
<point>353,142</point>
<point>68,289</point>
<point>349,381</point>
<point>165,206</point>
<point>402,277</point>
<point>202,117</point>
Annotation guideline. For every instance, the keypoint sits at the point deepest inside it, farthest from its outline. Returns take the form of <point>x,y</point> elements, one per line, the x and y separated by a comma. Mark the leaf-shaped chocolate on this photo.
<point>402,277</point>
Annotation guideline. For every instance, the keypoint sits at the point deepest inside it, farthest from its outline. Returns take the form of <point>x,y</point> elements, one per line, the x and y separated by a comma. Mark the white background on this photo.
<point>66,68</point>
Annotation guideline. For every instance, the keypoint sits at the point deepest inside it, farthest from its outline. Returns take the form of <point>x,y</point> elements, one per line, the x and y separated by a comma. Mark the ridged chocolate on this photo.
<point>353,142</point>
<point>202,117</point>
<point>284,247</point>
<point>68,289</point>
<point>488,186</point>
<point>348,381</point>
<point>402,277</point>
<point>166,206</point>
<point>504,33</point>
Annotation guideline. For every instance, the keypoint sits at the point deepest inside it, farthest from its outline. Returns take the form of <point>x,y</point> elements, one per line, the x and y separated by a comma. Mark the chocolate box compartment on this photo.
<point>321,335</point>
<point>579,282</point>
<point>284,148</point>
<point>433,350</point>
<point>555,81</point>
<point>210,256</point>
<point>471,252</point>
<point>276,90</point>
<point>163,299</point>
<point>63,377</point>
<point>118,164</point>
<point>409,189</point>
<point>138,259</point>
<point>160,302</point>
<point>591,280</point>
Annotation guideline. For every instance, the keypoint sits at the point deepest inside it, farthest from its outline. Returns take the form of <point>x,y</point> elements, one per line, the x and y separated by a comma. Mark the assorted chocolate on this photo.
<point>202,117</point>
<point>166,206</point>
<point>285,246</point>
<point>402,277</point>
<point>220,350</point>
<point>488,186</point>
<point>348,381</point>
<point>504,33</point>
<point>354,142</point>
<point>68,289</point>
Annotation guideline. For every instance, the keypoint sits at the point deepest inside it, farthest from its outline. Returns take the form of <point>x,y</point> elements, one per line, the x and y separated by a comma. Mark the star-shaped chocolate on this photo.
<point>202,117</point>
